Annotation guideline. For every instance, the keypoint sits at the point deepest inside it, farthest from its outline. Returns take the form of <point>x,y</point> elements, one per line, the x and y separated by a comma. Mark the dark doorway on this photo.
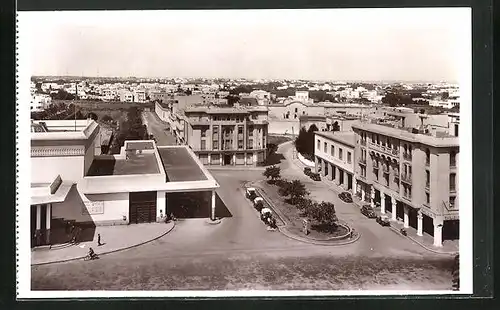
<point>33,226</point>
<point>456,130</point>
<point>400,213</point>
<point>195,205</point>
<point>341,177</point>
<point>227,159</point>
<point>451,230</point>
<point>412,217</point>
<point>428,225</point>
<point>388,204</point>
<point>142,207</point>
<point>349,182</point>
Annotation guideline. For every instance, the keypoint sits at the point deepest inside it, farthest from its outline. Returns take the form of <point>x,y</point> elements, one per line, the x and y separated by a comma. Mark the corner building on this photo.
<point>412,175</point>
<point>228,135</point>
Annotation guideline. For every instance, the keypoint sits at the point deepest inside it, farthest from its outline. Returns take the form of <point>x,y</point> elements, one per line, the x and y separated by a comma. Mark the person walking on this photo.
<point>99,240</point>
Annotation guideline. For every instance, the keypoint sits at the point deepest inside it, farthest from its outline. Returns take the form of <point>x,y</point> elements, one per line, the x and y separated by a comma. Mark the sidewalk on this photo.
<point>114,239</point>
<point>218,167</point>
<point>450,247</point>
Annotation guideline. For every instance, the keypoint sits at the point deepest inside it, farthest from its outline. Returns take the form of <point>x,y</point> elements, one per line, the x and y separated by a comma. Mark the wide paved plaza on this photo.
<point>240,253</point>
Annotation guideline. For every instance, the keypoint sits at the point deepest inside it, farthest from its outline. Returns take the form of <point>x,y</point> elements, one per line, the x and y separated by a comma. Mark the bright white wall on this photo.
<point>45,169</point>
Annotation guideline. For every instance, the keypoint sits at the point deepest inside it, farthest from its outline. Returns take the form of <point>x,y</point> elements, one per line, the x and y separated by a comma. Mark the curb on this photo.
<point>109,252</point>
<point>215,222</point>
<point>282,229</point>
<point>422,245</point>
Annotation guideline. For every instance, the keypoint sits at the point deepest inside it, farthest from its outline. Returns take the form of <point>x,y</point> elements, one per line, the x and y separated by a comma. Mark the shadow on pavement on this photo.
<point>195,205</point>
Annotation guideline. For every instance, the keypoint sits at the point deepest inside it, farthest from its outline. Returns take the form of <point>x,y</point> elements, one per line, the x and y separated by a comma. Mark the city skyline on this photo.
<point>327,45</point>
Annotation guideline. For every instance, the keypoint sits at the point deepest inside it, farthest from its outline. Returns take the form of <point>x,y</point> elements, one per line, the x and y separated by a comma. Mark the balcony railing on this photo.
<point>407,156</point>
<point>375,165</point>
<point>396,178</point>
<point>362,161</point>
<point>406,177</point>
<point>385,169</point>
<point>395,152</point>
<point>427,185</point>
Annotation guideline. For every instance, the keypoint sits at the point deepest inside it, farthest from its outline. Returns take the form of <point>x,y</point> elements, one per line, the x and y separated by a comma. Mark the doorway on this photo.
<point>142,207</point>
<point>227,159</point>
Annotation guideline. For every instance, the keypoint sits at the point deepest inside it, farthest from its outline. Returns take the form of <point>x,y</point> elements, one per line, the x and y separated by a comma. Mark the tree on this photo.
<point>325,216</point>
<point>272,172</point>
<point>296,190</point>
<point>107,118</point>
<point>301,141</point>
<point>92,115</point>
<point>335,126</point>
<point>232,99</point>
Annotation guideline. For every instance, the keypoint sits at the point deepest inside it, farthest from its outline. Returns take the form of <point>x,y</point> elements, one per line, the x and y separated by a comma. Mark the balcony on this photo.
<point>385,169</point>
<point>407,156</point>
<point>363,142</point>
<point>362,161</point>
<point>406,178</point>
<point>396,178</point>
<point>407,196</point>
<point>395,152</point>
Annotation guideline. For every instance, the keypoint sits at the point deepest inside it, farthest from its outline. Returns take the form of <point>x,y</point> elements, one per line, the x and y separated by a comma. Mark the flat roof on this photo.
<point>180,166</point>
<point>140,145</point>
<point>134,164</point>
<point>345,137</point>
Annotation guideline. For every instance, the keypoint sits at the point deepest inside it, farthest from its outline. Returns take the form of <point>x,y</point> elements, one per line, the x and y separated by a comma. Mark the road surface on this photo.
<point>158,129</point>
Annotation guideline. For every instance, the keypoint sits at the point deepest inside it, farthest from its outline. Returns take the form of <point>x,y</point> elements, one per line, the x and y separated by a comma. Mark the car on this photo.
<point>367,211</point>
<point>315,176</point>
<point>258,203</point>
<point>307,171</point>
<point>383,220</point>
<point>250,193</point>
<point>346,197</point>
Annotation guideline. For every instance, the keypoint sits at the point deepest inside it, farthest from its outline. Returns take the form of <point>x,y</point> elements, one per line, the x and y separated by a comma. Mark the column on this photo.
<point>234,159</point>
<point>38,223</point>
<point>382,202</point>
<point>161,205</point>
<point>406,220</point>
<point>255,159</point>
<point>363,195</point>
<point>316,164</point>
<point>339,171</point>
<point>394,208</point>
<point>372,194</point>
<point>221,158</point>
<point>213,206</point>
<point>330,173</point>
<point>323,167</point>
<point>245,159</point>
<point>419,223</point>
<point>48,218</point>
<point>354,185</point>
<point>438,231</point>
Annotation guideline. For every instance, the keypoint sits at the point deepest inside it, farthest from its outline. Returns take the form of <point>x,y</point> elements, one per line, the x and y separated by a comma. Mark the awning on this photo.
<point>58,196</point>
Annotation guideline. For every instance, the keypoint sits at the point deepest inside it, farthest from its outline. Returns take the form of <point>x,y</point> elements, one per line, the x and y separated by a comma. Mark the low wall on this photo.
<point>283,127</point>
<point>305,161</point>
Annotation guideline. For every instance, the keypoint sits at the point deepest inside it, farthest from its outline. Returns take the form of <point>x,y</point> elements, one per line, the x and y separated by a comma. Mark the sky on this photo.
<point>326,44</point>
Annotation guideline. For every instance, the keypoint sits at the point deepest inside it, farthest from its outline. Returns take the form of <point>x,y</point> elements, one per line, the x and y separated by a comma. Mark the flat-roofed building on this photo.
<point>228,135</point>
<point>334,157</point>
<point>144,183</point>
<point>412,173</point>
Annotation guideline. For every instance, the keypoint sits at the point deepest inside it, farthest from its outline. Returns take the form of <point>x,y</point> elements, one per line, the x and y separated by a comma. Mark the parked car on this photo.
<point>258,203</point>
<point>315,176</point>
<point>346,197</point>
<point>367,211</point>
<point>251,193</point>
<point>307,171</point>
<point>383,220</point>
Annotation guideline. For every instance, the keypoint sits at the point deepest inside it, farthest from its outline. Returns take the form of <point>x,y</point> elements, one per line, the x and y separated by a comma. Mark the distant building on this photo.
<point>126,96</point>
<point>140,96</point>
<point>39,102</point>
<point>227,135</point>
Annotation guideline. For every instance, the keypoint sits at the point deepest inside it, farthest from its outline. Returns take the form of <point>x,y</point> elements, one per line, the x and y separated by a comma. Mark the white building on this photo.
<point>40,102</point>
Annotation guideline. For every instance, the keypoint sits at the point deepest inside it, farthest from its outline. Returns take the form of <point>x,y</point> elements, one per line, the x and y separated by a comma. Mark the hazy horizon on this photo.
<point>362,45</point>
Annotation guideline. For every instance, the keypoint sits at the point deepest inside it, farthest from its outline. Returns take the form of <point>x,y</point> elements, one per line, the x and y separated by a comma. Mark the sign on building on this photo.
<point>93,207</point>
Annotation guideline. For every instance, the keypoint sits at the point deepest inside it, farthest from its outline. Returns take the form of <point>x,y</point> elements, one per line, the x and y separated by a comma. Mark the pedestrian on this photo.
<point>99,240</point>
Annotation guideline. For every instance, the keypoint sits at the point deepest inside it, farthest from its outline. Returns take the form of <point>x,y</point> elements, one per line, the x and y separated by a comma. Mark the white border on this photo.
<point>27,19</point>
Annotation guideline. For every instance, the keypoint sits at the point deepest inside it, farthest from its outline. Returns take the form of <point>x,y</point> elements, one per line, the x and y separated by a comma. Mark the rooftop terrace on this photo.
<point>345,137</point>
<point>134,164</point>
<point>180,166</point>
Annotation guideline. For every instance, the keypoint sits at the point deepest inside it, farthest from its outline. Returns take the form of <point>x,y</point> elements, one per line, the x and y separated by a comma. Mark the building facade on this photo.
<point>334,158</point>
<point>412,174</point>
<point>228,135</point>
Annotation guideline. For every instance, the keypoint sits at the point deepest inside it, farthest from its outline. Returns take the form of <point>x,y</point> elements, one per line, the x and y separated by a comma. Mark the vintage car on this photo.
<point>258,203</point>
<point>307,171</point>
<point>315,176</point>
<point>383,220</point>
<point>346,197</point>
<point>367,211</point>
<point>250,193</point>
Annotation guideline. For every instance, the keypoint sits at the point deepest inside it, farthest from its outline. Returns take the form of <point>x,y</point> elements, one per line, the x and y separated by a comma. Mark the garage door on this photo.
<point>142,207</point>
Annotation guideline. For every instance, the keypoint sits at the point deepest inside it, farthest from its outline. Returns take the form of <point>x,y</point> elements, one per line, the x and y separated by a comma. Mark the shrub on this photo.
<point>324,214</point>
<point>273,172</point>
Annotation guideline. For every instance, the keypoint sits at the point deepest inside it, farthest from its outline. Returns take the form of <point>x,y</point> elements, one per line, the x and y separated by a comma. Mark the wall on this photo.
<point>284,127</point>
<point>47,168</point>
<point>116,206</point>
<point>341,163</point>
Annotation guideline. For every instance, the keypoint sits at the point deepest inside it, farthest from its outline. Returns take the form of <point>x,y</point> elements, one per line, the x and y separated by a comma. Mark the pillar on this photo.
<point>213,205</point>
<point>354,185</point>
<point>254,159</point>
<point>245,159</point>
<point>234,159</point>
<point>161,205</point>
<point>339,171</point>
<point>316,164</point>
<point>394,208</point>
<point>406,220</point>
<point>48,218</point>
<point>438,231</point>
<point>419,223</point>
<point>209,158</point>
<point>382,202</point>
<point>323,164</point>
<point>372,196</point>
<point>363,195</point>
<point>38,224</point>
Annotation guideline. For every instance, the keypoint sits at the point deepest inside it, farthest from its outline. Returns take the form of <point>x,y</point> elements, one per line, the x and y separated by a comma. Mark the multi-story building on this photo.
<point>334,157</point>
<point>412,173</point>
<point>227,135</point>
<point>140,96</point>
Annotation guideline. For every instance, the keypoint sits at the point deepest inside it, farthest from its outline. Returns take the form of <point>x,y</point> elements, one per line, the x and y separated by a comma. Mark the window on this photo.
<point>427,178</point>
<point>452,201</point>
<point>452,182</point>
<point>340,153</point>
<point>318,145</point>
<point>296,110</point>
<point>453,159</point>
<point>215,131</point>
<point>250,144</point>
<point>240,130</point>
<point>348,157</point>
<point>386,179</point>
<point>240,144</point>
<point>373,138</point>
<point>215,145</point>
<point>427,157</point>
<point>324,146</point>
<point>250,131</point>
<point>332,150</point>
<point>203,132</point>
<point>363,171</point>
<point>427,198</point>
<point>203,145</point>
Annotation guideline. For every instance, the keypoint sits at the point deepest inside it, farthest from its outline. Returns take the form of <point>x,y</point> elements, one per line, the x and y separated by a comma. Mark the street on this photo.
<point>240,254</point>
<point>158,129</point>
